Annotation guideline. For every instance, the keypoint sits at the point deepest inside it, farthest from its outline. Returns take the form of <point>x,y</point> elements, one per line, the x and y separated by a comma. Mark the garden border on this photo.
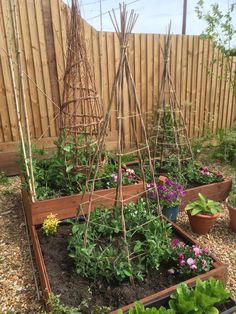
<point>66,206</point>
<point>219,271</point>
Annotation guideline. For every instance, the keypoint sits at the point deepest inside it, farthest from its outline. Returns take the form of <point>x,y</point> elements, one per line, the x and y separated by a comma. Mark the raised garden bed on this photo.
<point>215,191</point>
<point>218,191</point>
<point>147,295</point>
<point>66,206</point>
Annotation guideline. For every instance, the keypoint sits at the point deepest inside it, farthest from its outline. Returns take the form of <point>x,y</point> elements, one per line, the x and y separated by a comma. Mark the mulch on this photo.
<point>18,291</point>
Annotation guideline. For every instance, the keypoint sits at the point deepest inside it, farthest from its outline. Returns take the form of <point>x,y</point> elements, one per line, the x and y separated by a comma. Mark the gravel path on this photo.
<point>221,242</point>
<point>17,287</point>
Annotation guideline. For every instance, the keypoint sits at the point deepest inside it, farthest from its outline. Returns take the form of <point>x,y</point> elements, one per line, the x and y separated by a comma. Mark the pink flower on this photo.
<point>202,172</point>
<point>130,178</point>
<point>171,271</point>
<point>193,266</point>
<point>180,256</point>
<point>197,251</point>
<point>174,243</point>
<point>219,174</point>
<point>191,261</point>
<point>114,177</point>
<point>209,173</point>
<point>205,250</point>
<point>130,171</point>
<point>181,262</point>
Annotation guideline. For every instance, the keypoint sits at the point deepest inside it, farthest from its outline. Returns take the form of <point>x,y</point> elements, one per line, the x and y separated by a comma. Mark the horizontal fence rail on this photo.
<point>206,97</point>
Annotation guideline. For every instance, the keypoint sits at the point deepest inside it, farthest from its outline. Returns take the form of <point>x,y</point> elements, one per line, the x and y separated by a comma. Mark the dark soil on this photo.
<point>74,288</point>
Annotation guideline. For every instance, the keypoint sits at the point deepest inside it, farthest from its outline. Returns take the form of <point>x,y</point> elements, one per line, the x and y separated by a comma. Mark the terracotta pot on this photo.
<point>232,216</point>
<point>201,224</point>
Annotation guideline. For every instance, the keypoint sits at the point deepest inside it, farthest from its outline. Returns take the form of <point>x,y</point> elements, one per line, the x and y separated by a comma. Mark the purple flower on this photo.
<point>170,194</point>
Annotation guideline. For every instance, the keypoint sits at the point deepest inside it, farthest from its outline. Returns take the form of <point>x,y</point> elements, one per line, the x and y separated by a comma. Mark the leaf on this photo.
<point>138,247</point>
<point>127,273</point>
<point>196,211</point>
<point>212,310</point>
<point>69,168</point>
<point>67,148</point>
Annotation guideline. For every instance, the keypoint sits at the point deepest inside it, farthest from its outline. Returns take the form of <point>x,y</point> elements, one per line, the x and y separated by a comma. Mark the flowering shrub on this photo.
<point>189,260</point>
<point>170,194</point>
<point>202,175</point>
<point>128,177</point>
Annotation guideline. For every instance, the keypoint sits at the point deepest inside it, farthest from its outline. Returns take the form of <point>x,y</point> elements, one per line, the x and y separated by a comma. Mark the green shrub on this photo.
<point>226,149</point>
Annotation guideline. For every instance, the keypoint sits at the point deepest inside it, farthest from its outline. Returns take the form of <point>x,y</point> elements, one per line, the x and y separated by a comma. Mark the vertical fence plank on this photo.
<point>7,28</point>
<point>207,99</point>
<point>5,87</point>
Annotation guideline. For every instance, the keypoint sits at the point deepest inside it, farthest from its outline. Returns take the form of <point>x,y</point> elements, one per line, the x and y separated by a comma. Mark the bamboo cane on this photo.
<point>22,90</point>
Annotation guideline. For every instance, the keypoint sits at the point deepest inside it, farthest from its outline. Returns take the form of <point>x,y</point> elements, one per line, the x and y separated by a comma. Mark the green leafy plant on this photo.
<point>104,256</point>
<point>226,148</point>
<point>50,225</point>
<point>203,206</point>
<point>201,299</point>
<point>3,178</point>
<point>140,309</point>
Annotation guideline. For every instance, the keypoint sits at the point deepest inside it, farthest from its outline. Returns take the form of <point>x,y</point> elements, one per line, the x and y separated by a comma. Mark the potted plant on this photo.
<point>170,196</point>
<point>202,214</point>
<point>231,204</point>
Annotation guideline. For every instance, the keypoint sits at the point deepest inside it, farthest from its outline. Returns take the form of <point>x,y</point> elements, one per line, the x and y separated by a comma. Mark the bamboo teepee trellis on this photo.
<point>122,79</point>
<point>81,113</point>
<point>170,131</point>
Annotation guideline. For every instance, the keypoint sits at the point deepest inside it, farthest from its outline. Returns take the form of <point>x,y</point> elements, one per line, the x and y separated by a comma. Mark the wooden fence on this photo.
<point>207,100</point>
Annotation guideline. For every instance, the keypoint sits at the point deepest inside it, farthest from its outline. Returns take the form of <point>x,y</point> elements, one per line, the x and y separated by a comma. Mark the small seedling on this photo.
<point>50,225</point>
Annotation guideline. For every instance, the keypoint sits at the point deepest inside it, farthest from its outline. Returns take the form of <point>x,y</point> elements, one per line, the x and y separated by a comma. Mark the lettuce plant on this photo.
<point>202,299</point>
<point>140,309</point>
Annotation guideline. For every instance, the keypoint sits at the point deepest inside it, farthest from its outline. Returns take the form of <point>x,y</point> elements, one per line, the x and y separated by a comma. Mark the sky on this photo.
<point>154,15</point>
